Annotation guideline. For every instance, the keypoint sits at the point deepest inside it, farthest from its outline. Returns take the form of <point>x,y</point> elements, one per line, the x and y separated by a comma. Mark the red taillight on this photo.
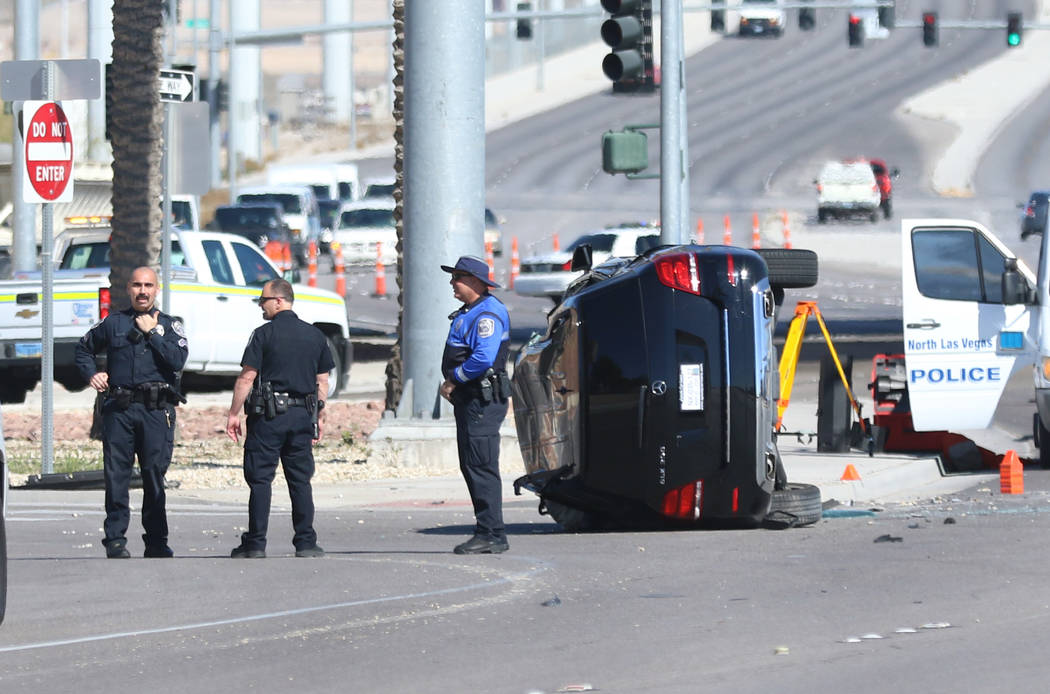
<point>678,271</point>
<point>736,499</point>
<point>854,19</point>
<point>567,267</point>
<point>684,502</point>
<point>820,188</point>
<point>1029,212</point>
<point>103,302</point>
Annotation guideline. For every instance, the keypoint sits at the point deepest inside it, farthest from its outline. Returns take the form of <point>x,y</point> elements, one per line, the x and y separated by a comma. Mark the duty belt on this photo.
<point>293,400</point>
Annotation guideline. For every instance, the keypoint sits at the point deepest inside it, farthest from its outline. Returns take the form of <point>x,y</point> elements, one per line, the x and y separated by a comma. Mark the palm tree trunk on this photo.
<point>136,123</point>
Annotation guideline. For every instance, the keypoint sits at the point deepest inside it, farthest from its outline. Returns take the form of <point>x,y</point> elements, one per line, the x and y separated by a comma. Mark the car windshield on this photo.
<point>245,218</point>
<point>847,174</point>
<point>329,211</point>
<point>288,201</point>
<point>379,190</point>
<point>366,217</point>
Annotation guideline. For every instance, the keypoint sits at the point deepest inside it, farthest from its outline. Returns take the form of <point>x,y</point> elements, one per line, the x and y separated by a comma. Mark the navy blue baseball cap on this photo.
<point>472,265</point>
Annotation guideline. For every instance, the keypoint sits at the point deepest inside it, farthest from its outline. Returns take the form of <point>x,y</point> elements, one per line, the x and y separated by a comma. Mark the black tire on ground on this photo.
<point>780,478</point>
<point>790,268</point>
<point>335,376</point>
<point>834,414</point>
<point>572,520</point>
<point>1042,440</point>
<point>822,216</point>
<point>796,505</point>
<point>874,216</point>
<point>3,568</point>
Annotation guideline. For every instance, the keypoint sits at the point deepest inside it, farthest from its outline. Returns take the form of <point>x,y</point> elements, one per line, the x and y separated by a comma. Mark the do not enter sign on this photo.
<point>48,153</point>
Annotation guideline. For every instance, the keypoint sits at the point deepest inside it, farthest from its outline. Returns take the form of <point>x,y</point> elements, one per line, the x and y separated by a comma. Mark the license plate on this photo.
<point>28,349</point>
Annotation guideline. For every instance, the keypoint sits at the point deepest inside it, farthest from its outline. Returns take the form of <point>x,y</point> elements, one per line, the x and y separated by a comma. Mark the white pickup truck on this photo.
<point>974,314</point>
<point>215,280</point>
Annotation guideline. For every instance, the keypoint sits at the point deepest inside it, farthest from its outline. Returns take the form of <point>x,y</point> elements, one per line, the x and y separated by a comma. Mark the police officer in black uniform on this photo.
<point>282,387</point>
<point>145,351</point>
<point>474,367</point>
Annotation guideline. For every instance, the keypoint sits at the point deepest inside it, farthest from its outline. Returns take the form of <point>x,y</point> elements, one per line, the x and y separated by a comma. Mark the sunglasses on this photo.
<point>457,276</point>
<point>263,299</point>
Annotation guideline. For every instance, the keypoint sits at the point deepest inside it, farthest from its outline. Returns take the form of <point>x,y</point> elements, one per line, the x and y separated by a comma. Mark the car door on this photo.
<point>962,343</point>
<point>239,271</point>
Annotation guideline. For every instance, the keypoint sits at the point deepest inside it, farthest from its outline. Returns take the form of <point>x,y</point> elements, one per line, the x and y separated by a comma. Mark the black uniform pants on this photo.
<point>288,437</point>
<point>150,434</point>
<point>477,440</point>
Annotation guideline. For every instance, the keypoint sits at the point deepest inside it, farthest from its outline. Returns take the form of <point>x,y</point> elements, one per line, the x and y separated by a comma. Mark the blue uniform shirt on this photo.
<point>478,340</point>
<point>130,362</point>
<point>289,353</point>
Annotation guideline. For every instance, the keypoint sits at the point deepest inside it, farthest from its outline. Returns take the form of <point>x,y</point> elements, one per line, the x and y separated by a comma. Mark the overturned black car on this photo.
<point>651,399</point>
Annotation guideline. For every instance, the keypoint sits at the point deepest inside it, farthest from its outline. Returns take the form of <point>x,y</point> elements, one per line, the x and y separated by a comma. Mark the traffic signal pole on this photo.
<point>674,179</point>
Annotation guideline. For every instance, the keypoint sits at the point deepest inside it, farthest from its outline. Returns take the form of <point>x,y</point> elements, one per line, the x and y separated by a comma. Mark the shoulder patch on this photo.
<point>179,329</point>
<point>486,327</point>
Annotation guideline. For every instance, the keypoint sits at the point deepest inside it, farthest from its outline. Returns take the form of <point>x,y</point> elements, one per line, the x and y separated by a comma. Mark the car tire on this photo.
<point>822,216</point>
<point>834,413</point>
<point>1042,440</point>
<point>874,215</point>
<point>790,268</point>
<point>795,506</point>
<point>336,375</point>
<point>571,520</point>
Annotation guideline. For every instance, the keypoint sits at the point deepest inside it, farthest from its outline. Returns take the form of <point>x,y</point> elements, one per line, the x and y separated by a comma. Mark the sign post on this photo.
<point>47,179</point>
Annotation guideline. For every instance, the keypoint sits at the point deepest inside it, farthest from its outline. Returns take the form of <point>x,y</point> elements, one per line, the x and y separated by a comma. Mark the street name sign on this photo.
<point>48,173</point>
<point>175,85</point>
<point>23,80</point>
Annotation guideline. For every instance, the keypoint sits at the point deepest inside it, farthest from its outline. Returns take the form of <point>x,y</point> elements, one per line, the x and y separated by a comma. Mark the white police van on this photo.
<point>973,316</point>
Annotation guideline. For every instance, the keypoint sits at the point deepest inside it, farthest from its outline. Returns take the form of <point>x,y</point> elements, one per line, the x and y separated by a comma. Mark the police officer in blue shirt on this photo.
<point>282,387</point>
<point>145,351</point>
<point>474,367</point>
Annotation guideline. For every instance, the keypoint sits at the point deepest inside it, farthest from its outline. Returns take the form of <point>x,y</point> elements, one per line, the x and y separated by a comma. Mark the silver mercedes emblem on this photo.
<point>658,388</point>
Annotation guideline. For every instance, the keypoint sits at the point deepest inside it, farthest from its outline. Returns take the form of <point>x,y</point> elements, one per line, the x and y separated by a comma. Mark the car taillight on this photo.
<point>1029,212</point>
<point>103,302</point>
<point>684,502</point>
<point>678,271</point>
<point>820,188</point>
<point>567,266</point>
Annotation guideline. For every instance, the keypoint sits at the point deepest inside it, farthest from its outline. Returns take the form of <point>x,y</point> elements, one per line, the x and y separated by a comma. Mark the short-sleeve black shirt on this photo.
<point>289,353</point>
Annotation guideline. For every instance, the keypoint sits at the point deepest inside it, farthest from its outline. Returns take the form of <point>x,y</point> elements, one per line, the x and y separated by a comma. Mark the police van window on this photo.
<point>993,265</point>
<point>946,264</point>
<point>220,266</point>
<point>254,267</point>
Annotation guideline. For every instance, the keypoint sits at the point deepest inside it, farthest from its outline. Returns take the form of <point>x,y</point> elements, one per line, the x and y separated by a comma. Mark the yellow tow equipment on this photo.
<point>789,360</point>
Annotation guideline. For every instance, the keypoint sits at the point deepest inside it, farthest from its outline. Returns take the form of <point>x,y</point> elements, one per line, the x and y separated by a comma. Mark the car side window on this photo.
<point>254,267</point>
<point>957,264</point>
<point>644,243</point>
<point>217,261</point>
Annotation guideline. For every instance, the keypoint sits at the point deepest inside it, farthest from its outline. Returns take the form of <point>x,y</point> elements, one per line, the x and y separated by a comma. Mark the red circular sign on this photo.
<point>49,151</point>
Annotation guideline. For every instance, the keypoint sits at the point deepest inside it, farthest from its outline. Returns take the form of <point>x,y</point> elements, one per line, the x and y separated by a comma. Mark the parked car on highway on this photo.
<point>362,225</point>
<point>847,188</point>
<point>493,233</point>
<point>300,210</point>
<point>263,224</point>
<point>1033,217</point>
<point>884,177</point>
<point>652,396</point>
<point>761,18</point>
<point>549,274</point>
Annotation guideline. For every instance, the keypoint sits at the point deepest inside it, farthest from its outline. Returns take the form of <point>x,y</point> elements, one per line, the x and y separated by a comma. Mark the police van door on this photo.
<point>961,341</point>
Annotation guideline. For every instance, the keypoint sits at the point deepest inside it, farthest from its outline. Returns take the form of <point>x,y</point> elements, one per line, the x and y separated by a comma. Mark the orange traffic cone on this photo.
<point>340,270</point>
<point>490,260</point>
<point>727,235</point>
<point>554,242</point>
<point>380,271</point>
<point>700,232</point>
<point>756,236</point>
<point>1011,474</point>
<point>288,265</point>
<point>787,229</point>
<point>850,474</point>
<point>312,264</point>
<point>515,261</point>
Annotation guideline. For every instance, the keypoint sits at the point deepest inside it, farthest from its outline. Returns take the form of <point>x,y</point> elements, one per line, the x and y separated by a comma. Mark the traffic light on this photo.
<point>524,29</point>
<point>1013,29</point>
<point>629,32</point>
<point>929,29</point>
<point>856,31</point>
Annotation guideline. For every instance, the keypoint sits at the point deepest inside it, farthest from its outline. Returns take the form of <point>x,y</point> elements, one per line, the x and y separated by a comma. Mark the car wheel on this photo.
<point>874,215</point>
<point>572,520</point>
<point>335,376</point>
<point>1042,440</point>
<point>790,268</point>
<point>822,216</point>
<point>834,412</point>
<point>795,505</point>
